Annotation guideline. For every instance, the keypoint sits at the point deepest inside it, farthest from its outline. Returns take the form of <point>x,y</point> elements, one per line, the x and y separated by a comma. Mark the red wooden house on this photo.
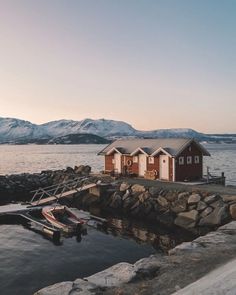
<point>172,159</point>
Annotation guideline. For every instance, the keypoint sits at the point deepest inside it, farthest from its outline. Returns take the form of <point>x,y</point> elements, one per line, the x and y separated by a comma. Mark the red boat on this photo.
<point>62,218</point>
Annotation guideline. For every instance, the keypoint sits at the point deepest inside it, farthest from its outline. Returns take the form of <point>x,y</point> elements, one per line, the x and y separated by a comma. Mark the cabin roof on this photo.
<point>172,146</point>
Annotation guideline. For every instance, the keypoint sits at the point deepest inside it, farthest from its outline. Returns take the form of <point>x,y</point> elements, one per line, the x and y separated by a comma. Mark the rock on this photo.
<point>114,276</point>
<point>229,199</point>
<point>179,205</point>
<point>216,217</point>
<point>162,201</point>
<point>126,195</point>
<point>206,212</point>
<point>218,203</point>
<point>183,248</point>
<point>154,191</point>
<point>193,199</point>
<point>147,267</point>
<point>63,288</point>
<point>143,197</point>
<point>82,287</point>
<point>183,195</point>
<point>124,186</point>
<point>128,203</point>
<point>211,199</point>
<point>187,219</point>
<point>69,170</point>
<point>201,206</point>
<point>232,210</point>
<point>137,188</point>
<point>170,196</point>
<point>116,201</point>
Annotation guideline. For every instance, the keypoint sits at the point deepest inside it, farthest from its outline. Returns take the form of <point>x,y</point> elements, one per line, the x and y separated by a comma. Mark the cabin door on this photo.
<point>117,162</point>
<point>164,167</point>
<point>142,164</point>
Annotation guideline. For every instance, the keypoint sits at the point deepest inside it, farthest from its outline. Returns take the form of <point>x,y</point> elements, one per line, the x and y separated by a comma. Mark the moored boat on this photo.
<point>62,218</point>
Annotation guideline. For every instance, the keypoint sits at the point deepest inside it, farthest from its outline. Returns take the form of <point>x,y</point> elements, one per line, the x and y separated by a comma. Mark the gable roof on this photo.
<point>172,146</point>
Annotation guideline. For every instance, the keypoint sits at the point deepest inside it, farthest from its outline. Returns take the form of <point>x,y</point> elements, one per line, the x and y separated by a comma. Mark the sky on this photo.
<point>152,63</point>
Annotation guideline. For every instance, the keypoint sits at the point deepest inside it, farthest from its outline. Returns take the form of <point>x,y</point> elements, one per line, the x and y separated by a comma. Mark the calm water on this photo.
<point>30,262</point>
<point>35,158</point>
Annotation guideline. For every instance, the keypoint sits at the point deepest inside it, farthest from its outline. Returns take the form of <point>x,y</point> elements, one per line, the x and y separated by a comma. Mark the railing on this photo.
<point>57,190</point>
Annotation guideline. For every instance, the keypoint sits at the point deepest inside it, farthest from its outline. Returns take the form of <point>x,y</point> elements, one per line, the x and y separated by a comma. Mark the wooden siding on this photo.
<point>109,166</point>
<point>189,171</point>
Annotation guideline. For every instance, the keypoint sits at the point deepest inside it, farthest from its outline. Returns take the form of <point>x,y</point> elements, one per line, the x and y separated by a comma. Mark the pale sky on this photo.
<point>152,63</point>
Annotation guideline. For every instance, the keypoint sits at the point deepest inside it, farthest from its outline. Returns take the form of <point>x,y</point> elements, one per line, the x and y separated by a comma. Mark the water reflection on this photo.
<point>154,235</point>
<point>159,238</point>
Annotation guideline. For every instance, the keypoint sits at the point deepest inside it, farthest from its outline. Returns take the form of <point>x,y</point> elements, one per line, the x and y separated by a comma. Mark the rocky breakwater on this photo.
<point>17,187</point>
<point>195,211</point>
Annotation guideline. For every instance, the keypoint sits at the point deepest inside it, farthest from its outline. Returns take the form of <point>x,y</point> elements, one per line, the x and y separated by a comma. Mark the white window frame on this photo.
<point>181,160</point>
<point>151,160</point>
<point>189,160</point>
<point>113,161</point>
<point>135,159</point>
<point>196,159</point>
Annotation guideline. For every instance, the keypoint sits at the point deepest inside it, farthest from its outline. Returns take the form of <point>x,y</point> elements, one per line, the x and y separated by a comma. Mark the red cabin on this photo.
<point>171,159</point>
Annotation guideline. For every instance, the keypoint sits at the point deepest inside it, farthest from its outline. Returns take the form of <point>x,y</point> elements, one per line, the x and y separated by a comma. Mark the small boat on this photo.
<point>63,218</point>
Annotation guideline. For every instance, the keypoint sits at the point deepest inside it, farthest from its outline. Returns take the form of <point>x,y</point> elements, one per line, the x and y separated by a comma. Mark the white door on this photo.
<point>117,162</point>
<point>142,164</point>
<point>164,167</point>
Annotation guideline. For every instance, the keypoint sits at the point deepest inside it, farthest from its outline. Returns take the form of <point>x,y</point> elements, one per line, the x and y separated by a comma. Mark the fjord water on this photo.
<point>30,262</point>
<point>35,158</point>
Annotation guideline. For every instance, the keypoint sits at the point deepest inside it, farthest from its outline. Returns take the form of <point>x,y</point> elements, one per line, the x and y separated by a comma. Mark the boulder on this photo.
<point>137,188</point>
<point>162,201</point>
<point>63,288</point>
<point>201,206</point>
<point>143,197</point>
<point>229,199</point>
<point>154,191</point>
<point>183,195</point>
<point>126,195</point>
<point>114,276</point>
<point>194,199</point>
<point>187,219</point>
<point>218,203</point>
<point>124,186</point>
<point>232,210</point>
<point>179,205</point>
<point>216,217</point>
<point>206,212</point>
<point>211,199</point>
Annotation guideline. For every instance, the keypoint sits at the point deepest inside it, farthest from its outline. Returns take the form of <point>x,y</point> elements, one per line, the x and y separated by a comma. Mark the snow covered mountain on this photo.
<point>15,130</point>
<point>99,127</point>
<point>11,129</point>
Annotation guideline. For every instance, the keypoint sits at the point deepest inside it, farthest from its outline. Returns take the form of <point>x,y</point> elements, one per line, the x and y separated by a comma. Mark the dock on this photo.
<point>67,189</point>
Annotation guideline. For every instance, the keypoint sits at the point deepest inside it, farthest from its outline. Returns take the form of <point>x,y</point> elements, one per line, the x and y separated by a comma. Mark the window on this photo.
<point>135,159</point>
<point>189,159</point>
<point>151,160</point>
<point>181,160</point>
<point>196,159</point>
<point>113,161</point>
<point>190,148</point>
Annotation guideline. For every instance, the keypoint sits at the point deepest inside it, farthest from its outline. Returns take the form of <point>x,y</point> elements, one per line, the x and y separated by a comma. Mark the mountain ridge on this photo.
<point>13,129</point>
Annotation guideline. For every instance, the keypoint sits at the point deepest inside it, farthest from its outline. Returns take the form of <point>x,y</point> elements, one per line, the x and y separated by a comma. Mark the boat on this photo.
<point>63,218</point>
